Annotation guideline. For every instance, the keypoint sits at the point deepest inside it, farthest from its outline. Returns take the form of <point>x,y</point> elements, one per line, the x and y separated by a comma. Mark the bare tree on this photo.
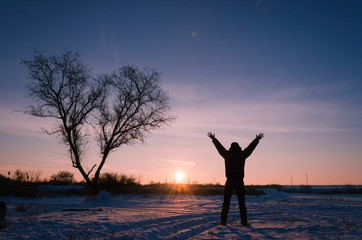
<point>61,88</point>
<point>135,105</point>
<point>122,107</point>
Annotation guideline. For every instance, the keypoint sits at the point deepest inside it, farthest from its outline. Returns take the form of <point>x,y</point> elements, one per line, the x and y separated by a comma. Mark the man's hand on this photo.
<point>210,135</point>
<point>259,136</point>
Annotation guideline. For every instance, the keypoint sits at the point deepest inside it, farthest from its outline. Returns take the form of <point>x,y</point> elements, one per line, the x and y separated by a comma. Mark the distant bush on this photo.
<point>24,176</point>
<point>19,175</point>
<point>116,183</point>
<point>116,179</point>
<point>62,178</point>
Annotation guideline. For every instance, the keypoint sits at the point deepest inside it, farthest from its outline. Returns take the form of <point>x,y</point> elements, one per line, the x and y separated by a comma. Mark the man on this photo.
<point>234,169</point>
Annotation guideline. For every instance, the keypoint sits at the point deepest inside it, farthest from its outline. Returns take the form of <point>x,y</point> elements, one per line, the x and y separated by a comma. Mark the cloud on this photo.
<point>16,123</point>
<point>284,110</point>
<point>179,162</point>
<point>187,93</point>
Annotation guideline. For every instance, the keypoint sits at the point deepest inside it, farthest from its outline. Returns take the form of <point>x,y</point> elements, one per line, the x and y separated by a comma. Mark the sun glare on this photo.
<point>179,177</point>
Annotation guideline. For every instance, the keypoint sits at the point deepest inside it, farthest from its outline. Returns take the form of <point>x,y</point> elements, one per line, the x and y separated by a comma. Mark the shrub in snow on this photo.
<point>62,178</point>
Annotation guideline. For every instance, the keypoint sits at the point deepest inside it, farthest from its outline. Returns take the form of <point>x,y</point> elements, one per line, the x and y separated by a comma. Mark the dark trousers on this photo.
<point>230,185</point>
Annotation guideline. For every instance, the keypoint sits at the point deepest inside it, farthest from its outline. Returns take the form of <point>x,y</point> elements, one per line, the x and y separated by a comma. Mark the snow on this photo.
<point>277,215</point>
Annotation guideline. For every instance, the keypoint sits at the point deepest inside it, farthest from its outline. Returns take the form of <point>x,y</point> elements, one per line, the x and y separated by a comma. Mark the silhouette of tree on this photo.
<point>121,107</point>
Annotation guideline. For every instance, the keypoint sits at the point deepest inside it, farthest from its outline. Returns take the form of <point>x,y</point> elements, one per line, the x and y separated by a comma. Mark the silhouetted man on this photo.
<point>234,169</point>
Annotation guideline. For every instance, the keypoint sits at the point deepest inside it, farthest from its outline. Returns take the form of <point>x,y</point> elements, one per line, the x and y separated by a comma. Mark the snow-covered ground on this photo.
<point>276,215</point>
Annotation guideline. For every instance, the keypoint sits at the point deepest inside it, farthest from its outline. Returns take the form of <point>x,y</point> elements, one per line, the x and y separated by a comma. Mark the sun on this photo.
<point>179,177</point>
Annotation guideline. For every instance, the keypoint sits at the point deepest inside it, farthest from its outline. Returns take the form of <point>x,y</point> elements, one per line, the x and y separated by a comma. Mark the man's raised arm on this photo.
<point>220,148</point>
<point>249,149</point>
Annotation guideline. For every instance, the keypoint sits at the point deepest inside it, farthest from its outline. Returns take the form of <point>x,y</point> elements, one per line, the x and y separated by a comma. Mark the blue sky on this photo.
<point>290,69</point>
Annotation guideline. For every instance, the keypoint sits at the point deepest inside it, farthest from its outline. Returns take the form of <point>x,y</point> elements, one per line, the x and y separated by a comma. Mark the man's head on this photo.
<point>235,147</point>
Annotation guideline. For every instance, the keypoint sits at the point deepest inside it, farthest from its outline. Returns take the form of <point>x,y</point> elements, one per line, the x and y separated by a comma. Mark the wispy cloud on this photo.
<point>14,122</point>
<point>184,94</point>
<point>179,162</point>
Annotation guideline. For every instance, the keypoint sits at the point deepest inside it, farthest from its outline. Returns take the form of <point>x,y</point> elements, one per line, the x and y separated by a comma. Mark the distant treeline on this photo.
<point>63,183</point>
<point>61,177</point>
<point>65,178</point>
<point>23,184</point>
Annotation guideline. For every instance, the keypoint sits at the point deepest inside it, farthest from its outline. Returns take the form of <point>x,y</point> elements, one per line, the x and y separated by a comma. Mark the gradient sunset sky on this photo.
<point>289,69</point>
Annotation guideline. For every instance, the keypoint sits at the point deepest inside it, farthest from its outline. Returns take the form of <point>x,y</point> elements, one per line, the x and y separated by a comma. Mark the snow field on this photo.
<point>276,215</point>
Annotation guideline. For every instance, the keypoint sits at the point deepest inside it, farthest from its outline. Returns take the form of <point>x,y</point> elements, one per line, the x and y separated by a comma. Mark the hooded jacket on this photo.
<point>235,158</point>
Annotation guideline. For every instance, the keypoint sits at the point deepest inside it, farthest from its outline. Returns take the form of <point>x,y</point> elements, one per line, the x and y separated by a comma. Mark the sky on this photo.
<point>289,69</point>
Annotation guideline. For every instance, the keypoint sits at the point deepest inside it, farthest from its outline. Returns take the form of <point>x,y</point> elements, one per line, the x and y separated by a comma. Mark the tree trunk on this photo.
<point>98,172</point>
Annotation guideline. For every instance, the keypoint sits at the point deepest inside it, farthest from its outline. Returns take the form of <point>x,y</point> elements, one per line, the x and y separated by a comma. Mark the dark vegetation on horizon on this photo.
<point>63,183</point>
<point>345,189</point>
<point>21,184</point>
